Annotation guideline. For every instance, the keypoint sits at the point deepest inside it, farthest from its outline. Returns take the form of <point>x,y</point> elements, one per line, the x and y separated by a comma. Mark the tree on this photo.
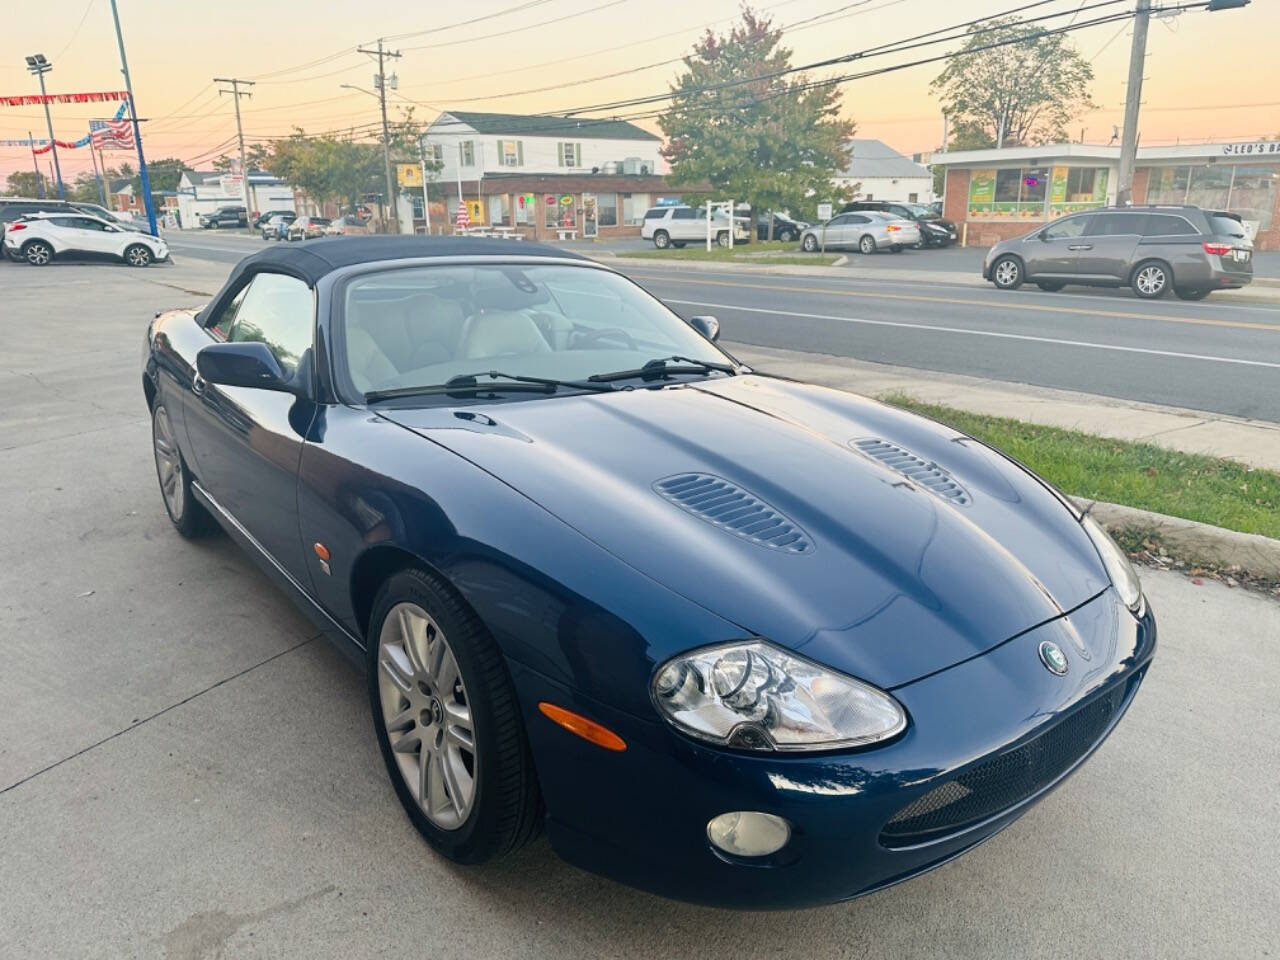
<point>23,183</point>
<point>1024,93</point>
<point>773,141</point>
<point>328,168</point>
<point>222,162</point>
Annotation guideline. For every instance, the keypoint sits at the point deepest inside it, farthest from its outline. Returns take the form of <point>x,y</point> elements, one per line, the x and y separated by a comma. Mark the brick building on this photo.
<point>996,194</point>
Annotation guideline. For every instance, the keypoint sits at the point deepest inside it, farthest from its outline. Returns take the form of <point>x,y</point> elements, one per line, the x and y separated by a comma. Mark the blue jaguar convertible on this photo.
<point>726,637</point>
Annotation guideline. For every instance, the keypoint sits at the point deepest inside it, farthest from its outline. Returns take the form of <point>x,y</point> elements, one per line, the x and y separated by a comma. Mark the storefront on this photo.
<point>996,194</point>
<point>545,206</point>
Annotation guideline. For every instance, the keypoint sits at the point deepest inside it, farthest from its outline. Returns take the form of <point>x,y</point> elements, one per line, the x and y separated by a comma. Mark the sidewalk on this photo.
<point>1252,442</point>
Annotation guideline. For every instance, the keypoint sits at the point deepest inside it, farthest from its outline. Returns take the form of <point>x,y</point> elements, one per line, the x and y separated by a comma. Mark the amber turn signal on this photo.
<point>588,730</point>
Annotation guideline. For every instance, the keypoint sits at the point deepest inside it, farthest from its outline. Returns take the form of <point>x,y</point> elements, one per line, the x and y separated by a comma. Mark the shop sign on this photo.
<point>408,175</point>
<point>1058,186</point>
<point>982,187</point>
<point>1251,149</point>
<point>566,200</point>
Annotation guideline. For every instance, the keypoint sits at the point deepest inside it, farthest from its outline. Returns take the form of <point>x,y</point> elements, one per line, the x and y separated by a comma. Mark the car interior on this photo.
<point>418,329</point>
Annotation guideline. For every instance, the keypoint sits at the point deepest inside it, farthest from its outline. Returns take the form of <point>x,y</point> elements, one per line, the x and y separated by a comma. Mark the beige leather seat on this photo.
<point>500,333</point>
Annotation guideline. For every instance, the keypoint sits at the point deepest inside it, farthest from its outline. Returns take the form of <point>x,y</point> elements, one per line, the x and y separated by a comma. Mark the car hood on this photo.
<point>884,574</point>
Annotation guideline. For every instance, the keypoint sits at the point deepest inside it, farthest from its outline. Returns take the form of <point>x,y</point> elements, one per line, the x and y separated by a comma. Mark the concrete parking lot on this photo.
<point>186,772</point>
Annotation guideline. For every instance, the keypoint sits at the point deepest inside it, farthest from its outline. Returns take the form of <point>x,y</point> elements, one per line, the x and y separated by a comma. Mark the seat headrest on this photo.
<point>501,333</point>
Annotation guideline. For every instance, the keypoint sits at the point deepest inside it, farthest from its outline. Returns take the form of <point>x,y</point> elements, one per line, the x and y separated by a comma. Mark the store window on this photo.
<point>607,209</point>
<point>1248,191</point>
<point>499,211</point>
<point>1072,189</point>
<point>1210,186</point>
<point>569,154</point>
<point>1253,194</point>
<point>634,206</point>
<point>525,209</point>
<point>1017,193</point>
<point>558,211</point>
<point>1168,185</point>
<point>511,153</point>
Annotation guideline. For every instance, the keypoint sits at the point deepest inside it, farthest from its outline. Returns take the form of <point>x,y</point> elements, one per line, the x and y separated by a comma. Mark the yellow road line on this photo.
<point>1043,308</point>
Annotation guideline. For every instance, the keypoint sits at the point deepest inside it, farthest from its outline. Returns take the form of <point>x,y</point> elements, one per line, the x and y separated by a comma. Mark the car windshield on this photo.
<point>318,221</point>
<point>421,326</point>
<point>917,210</point>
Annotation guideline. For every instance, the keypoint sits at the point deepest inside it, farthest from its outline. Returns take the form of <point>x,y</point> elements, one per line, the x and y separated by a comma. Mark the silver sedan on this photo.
<point>867,232</point>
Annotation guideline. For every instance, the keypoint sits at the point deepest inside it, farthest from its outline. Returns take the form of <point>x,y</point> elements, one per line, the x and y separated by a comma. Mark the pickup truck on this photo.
<point>676,226</point>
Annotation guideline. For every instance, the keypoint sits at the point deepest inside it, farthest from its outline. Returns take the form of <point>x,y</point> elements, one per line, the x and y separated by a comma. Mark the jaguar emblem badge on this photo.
<point>1054,660</point>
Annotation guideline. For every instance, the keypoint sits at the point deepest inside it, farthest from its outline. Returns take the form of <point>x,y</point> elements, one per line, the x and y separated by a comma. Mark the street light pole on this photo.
<point>39,65</point>
<point>137,130</point>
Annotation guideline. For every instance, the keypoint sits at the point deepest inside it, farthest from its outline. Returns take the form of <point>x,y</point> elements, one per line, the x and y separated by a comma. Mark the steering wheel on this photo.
<point>583,338</point>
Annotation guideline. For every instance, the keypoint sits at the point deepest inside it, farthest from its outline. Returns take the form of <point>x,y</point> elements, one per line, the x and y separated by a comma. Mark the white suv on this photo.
<point>676,226</point>
<point>39,238</point>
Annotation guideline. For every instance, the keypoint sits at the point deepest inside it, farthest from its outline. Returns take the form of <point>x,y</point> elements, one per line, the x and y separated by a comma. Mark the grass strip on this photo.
<point>1211,490</point>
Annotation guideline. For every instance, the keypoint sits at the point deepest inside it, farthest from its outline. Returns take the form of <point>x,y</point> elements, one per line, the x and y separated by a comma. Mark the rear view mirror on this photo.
<point>246,364</point>
<point>709,327</point>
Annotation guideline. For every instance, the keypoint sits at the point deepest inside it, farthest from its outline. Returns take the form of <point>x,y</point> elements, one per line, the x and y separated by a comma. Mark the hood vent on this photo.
<point>733,510</point>
<point>926,473</point>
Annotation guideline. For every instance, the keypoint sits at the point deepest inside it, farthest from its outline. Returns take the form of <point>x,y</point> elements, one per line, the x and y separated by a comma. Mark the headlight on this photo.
<point>1119,569</point>
<point>754,696</point>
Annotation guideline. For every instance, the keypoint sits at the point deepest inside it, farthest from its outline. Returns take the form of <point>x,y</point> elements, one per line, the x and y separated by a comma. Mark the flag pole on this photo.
<point>35,162</point>
<point>137,131</point>
<point>102,190</point>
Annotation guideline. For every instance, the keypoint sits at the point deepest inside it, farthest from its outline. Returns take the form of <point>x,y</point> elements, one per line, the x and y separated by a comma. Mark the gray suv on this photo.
<point>1151,249</point>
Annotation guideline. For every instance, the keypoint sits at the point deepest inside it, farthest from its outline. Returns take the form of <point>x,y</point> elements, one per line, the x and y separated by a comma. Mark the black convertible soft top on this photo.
<point>312,259</point>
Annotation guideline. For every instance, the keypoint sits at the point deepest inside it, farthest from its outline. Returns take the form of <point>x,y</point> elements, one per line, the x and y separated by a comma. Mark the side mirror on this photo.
<point>709,327</point>
<point>247,364</point>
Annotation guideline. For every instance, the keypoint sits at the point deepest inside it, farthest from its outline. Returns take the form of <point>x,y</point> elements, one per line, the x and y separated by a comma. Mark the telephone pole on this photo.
<point>1132,103</point>
<point>236,94</point>
<point>380,83</point>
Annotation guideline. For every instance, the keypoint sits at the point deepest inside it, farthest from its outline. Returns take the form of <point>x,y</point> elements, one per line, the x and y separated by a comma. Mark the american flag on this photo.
<point>112,134</point>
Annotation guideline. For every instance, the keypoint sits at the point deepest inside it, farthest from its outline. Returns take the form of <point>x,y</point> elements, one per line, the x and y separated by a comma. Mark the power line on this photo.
<point>525,29</point>
<point>466,23</point>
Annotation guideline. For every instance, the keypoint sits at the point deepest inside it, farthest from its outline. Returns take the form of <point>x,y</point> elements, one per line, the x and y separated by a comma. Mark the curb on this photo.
<point>1194,541</point>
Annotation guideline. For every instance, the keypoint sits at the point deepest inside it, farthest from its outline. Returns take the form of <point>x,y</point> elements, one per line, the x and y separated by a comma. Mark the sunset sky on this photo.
<point>1209,76</point>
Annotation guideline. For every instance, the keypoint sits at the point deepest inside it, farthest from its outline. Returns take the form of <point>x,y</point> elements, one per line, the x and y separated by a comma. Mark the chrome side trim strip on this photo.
<point>207,499</point>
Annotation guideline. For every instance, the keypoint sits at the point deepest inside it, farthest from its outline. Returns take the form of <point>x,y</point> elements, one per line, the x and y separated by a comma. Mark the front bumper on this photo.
<point>640,816</point>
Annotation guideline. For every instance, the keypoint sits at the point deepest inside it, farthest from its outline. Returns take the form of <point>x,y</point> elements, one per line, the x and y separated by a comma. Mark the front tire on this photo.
<point>1006,273</point>
<point>189,518</point>
<point>1151,280</point>
<point>809,244</point>
<point>662,239</point>
<point>448,723</point>
<point>138,255</point>
<point>723,239</point>
<point>867,245</point>
<point>37,253</point>
<point>786,236</point>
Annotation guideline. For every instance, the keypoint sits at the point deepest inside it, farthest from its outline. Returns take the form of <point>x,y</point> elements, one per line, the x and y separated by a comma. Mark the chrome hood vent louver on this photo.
<point>925,473</point>
<point>733,510</point>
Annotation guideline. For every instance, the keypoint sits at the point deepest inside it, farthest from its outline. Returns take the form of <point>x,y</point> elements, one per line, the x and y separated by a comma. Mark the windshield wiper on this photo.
<point>657,367</point>
<point>469,383</point>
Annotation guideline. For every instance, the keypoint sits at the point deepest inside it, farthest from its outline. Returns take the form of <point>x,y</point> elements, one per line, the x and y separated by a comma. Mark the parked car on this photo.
<point>935,208</point>
<point>225,217</point>
<point>934,231</point>
<point>348,226</point>
<point>120,219</point>
<point>276,226</point>
<point>262,218</point>
<point>42,237</point>
<point>676,226</point>
<point>784,228</point>
<point>307,228</point>
<point>1152,250</point>
<point>606,581</point>
<point>867,232</point>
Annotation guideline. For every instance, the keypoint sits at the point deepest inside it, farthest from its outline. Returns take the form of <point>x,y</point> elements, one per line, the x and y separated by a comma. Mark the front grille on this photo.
<point>1004,781</point>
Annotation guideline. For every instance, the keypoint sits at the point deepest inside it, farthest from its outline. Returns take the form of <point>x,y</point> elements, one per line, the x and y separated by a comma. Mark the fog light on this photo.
<point>749,834</point>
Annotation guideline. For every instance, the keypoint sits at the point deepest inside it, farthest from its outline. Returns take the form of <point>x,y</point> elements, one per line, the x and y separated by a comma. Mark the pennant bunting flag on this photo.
<point>37,100</point>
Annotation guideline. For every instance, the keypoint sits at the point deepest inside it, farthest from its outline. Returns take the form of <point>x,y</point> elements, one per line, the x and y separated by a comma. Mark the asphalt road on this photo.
<point>186,772</point>
<point>1213,356</point>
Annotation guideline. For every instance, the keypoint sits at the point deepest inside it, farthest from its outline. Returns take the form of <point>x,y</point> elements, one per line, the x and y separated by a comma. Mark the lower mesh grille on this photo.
<point>1003,781</point>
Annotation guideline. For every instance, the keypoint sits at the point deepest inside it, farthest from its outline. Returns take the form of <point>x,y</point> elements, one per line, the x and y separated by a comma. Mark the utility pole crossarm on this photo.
<point>236,94</point>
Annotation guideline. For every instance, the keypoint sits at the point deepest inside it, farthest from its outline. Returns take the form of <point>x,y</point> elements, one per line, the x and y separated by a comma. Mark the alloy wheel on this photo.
<point>38,254</point>
<point>1006,273</point>
<point>168,464</point>
<point>138,256</point>
<point>1150,281</point>
<point>810,243</point>
<point>427,715</point>
<point>867,245</point>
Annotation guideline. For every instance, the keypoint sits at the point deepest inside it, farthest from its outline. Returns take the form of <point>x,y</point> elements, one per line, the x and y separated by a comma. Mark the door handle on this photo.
<point>1081,246</point>
<point>198,384</point>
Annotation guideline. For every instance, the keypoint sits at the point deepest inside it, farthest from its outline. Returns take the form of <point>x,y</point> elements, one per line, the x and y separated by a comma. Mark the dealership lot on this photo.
<point>185,771</point>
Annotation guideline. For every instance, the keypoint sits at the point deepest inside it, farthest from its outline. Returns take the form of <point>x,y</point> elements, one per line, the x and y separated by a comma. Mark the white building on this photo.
<point>205,191</point>
<point>476,144</point>
<point>878,172</point>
